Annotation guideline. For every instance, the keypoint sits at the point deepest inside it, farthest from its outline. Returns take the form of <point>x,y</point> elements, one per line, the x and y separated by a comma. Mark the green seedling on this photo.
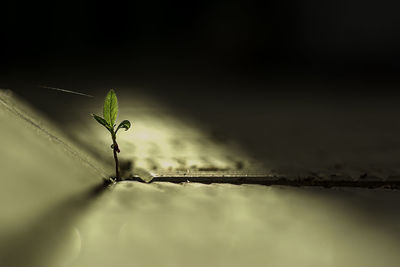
<point>110,112</point>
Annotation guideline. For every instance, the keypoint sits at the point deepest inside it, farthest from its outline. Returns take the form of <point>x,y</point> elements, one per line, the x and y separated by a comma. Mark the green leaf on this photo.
<point>124,124</point>
<point>101,121</point>
<point>110,108</point>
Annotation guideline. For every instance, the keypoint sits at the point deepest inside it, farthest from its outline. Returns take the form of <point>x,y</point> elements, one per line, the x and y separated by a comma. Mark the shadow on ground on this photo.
<point>50,240</point>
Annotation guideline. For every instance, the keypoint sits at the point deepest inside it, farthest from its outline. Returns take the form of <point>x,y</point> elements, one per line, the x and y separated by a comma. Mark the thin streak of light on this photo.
<point>64,90</point>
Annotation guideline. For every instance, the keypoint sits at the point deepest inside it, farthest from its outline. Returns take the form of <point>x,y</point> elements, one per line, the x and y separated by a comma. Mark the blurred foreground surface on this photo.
<point>165,224</point>
<point>51,214</point>
<point>39,168</point>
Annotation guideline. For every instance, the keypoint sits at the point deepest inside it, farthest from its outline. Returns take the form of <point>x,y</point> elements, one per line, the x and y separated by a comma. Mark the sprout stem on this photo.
<point>115,151</point>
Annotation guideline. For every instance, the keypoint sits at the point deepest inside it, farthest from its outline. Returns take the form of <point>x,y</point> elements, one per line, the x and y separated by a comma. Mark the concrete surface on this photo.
<point>54,212</point>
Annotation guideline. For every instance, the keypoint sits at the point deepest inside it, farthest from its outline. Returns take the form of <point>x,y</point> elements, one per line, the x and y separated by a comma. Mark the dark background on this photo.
<point>203,40</point>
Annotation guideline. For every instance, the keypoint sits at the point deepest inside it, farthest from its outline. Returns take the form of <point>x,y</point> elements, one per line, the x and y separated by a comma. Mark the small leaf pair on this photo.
<point>110,112</point>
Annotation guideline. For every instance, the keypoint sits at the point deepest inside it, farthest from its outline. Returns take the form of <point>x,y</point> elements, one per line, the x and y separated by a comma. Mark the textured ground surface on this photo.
<point>53,214</point>
<point>325,137</point>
